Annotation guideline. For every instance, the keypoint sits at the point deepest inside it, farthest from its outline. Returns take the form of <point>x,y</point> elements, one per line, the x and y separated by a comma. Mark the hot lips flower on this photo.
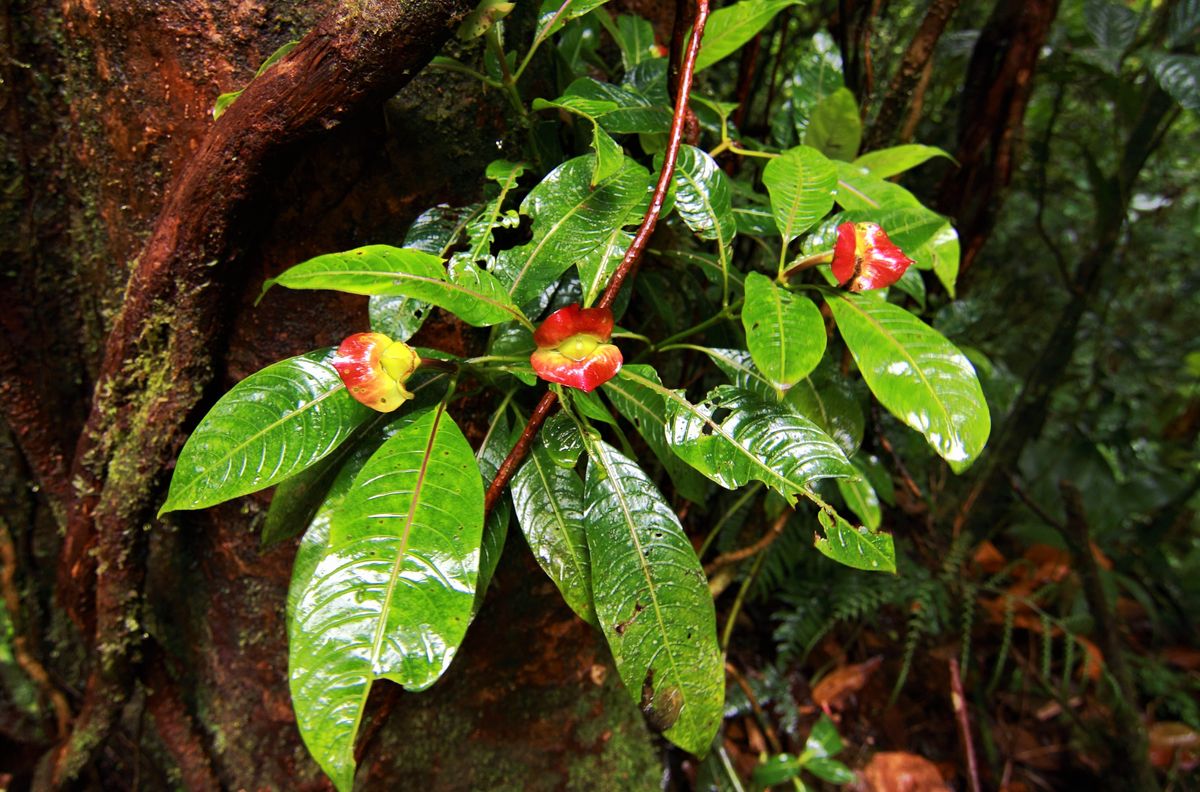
<point>375,368</point>
<point>573,348</point>
<point>864,258</point>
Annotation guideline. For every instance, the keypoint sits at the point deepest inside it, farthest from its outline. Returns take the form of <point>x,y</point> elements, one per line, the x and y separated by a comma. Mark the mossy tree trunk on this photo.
<point>108,106</point>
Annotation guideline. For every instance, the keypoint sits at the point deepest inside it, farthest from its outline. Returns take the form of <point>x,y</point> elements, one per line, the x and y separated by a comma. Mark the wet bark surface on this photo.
<point>111,106</point>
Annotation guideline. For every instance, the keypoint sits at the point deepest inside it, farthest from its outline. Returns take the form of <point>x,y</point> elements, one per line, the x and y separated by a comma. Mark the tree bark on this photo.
<point>109,135</point>
<point>998,86</point>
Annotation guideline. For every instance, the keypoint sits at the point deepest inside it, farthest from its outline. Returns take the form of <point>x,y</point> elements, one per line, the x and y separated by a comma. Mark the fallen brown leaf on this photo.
<point>835,688</point>
<point>900,771</point>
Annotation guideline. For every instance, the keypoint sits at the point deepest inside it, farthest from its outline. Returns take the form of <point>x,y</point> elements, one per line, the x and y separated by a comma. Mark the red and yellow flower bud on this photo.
<point>375,368</point>
<point>864,258</point>
<point>573,348</point>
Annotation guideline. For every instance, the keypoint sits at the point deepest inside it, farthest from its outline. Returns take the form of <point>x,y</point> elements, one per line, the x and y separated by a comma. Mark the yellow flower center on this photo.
<point>579,347</point>
<point>399,361</point>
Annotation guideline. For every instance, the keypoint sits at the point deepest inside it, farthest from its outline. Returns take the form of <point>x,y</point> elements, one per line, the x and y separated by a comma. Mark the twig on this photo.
<point>730,620</point>
<point>959,700</point>
<point>32,667</point>
<point>759,712</point>
<point>628,265</point>
<point>919,51</point>
<point>1033,505</point>
<point>734,556</point>
<point>633,255</point>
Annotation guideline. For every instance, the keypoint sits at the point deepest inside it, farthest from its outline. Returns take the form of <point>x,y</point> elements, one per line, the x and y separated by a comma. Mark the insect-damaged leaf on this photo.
<point>652,600</point>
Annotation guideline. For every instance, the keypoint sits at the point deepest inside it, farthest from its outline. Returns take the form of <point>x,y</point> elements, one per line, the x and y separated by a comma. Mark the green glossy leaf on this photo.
<point>556,13</point>
<point>435,231</point>
<point>830,770</point>
<point>472,294</point>
<point>608,156</point>
<point>297,499</point>
<point>801,182</point>
<point>823,741</point>
<point>266,429</point>
<point>391,594</point>
<point>756,440</point>
<point>785,331</point>
<point>652,600</point>
<point>703,201</point>
<point>861,499</point>
<point>645,409</point>
<point>835,128</point>
<point>943,252</point>
<point>635,37</point>
<point>1113,27</point>
<point>496,444</point>
<point>1184,24</point>
<point>1179,76</point>
<point>560,439</point>
<point>858,188</point>
<point>549,505</point>
<point>730,27</point>
<point>916,374</point>
<point>226,99</point>
<point>825,398</point>
<point>776,769</point>
<point>597,267</point>
<point>570,219</point>
<point>857,548</point>
<point>619,109</point>
<point>817,74</point>
<point>755,221</point>
<point>481,228</point>
<point>888,162</point>
<point>739,367</point>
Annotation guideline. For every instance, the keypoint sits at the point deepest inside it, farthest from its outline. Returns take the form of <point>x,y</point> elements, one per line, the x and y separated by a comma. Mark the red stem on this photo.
<point>959,700</point>
<point>628,266</point>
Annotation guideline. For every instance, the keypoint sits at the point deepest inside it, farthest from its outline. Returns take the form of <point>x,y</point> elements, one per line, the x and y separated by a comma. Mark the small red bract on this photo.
<point>375,368</point>
<point>573,349</point>
<point>864,258</point>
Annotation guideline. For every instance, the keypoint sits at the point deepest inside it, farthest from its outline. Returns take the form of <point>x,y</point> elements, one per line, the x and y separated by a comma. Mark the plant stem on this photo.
<point>808,262</point>
<point>628,264</point>
<point>727,633</point>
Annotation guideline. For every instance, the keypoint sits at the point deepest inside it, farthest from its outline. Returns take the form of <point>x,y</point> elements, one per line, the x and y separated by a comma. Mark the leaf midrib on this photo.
<point>893,341</point>
<point>601,455</point>
<point>252,438</point>
<point>425,279</point>
<point>559,519</point>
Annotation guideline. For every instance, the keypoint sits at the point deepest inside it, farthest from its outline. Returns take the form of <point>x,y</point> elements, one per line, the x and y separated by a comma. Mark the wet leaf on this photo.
<point>549,505</point>
<point>834,128</point>
<point>785,331</point>
<point>1179,76</point>
<point>391,593</point>
<point>492,451</point>
<point>756,440</point>
<point>861,499</point>
<point>855,546</point>
<point>730,27</point>
<point>801,182</point>
<point>825,398</point>
<point>267,428</point>
<point>652,600</point>
<point>888,162</point>
<point>818,73</point>
<point>472,294</point>
<point>570,219</point>
<point>645,409</point>
<point>703,201</point>
<point>916,374</point>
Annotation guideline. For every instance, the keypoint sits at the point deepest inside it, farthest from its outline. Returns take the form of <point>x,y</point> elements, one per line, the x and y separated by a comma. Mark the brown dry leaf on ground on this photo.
<point>832,692</point>
<point>900,771</point>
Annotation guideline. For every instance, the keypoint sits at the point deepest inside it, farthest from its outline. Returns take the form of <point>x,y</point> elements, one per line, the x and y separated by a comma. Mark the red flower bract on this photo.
<point>375,368</point>
<point>864,258</point>
<point>573,349</point>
